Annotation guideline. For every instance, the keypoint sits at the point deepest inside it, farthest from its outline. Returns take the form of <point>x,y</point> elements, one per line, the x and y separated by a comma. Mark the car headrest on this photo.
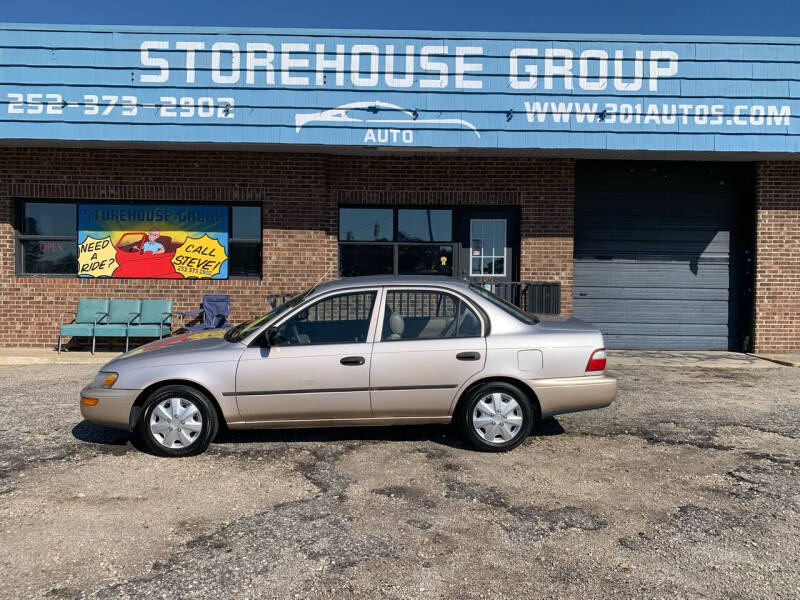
<point>397,323</point>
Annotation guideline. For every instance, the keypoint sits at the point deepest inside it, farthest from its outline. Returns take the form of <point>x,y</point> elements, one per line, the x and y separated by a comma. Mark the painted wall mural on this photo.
<point>153,241</point>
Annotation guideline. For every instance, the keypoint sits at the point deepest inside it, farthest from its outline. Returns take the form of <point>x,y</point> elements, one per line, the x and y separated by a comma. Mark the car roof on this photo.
<point>381,280</point>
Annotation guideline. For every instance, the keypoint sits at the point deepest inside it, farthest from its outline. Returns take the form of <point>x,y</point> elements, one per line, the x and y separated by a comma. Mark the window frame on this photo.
<point>482,317</point>
<point>18,204</point>
<point>395,242</point>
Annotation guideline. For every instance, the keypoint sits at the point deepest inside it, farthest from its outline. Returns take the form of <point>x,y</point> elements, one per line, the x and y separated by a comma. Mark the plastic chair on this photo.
<point>215,311</point>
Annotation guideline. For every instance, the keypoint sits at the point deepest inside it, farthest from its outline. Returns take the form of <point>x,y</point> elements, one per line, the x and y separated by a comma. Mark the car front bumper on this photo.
<point>573,394</point>
<point>113,408</point>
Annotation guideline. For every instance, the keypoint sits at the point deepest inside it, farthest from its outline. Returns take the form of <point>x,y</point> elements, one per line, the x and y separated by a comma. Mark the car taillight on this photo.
<point>597,361</point>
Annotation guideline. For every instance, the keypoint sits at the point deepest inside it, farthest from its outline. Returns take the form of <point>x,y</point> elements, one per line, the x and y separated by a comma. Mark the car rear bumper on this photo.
<point>573,394</point>
<point>113,408</point>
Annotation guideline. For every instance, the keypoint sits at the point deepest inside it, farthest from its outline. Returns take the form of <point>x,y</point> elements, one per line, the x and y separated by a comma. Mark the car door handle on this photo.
<point>468,355</point>
<point>352,360</point>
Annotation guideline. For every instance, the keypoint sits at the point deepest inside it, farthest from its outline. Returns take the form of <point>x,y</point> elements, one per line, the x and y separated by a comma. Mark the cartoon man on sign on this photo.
<point>152,245</point>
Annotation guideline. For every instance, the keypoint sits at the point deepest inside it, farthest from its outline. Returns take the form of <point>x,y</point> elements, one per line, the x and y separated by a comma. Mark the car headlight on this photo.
<point>104,379</point>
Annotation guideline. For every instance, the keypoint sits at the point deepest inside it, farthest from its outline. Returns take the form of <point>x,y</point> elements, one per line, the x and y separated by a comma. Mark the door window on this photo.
<point>423,314</point>
<point>342,319</point>
<point>487,247</point>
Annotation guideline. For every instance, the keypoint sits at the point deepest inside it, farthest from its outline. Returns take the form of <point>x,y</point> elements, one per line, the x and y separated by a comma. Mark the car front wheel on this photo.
<point>177,420</point>
<point>496,416</point>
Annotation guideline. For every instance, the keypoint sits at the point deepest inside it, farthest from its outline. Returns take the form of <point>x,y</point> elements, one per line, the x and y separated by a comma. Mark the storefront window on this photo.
<point>49,256</point>
<point>412,247</point>
<point>425,260</point>
<point>357,260</point>
<point>245,241</point>
<point>421,225</point>
<point>47,238</point>
<point>49,218</point>
<point>366,224</point>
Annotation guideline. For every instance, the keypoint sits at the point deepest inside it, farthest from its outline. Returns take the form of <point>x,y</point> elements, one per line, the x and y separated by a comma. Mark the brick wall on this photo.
<point>777,302</point>
<point>300,194</point>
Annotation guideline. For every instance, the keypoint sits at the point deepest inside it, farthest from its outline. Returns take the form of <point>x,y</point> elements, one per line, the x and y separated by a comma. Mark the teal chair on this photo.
<point>91,312</point>
<point>122,312</point>
<point>155,320</point>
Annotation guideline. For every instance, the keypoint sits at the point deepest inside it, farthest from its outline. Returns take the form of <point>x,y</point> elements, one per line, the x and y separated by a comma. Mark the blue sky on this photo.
<point>676,17</point>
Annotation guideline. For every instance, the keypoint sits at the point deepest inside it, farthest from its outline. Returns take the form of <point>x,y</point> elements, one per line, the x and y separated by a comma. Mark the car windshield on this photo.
<point>242,330</point>
<point>504,305</point>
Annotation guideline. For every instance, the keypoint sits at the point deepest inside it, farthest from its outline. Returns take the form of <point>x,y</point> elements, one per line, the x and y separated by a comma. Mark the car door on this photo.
<point>318,366</point>
<point>428,343</point>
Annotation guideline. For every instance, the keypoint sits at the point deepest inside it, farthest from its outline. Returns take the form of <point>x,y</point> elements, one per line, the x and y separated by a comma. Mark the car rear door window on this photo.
<point>427,314</point>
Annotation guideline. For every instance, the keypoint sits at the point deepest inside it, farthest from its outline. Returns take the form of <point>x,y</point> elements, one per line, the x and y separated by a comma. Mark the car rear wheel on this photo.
<point>496,416</point>
<point>177,420</point>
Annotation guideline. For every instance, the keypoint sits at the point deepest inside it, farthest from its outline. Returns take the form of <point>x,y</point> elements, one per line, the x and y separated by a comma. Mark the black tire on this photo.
<point>469,407</point>
<point>200,440</point>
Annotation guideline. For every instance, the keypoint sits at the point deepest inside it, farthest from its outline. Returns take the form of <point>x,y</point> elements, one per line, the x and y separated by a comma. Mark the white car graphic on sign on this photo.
<point>340,114</point>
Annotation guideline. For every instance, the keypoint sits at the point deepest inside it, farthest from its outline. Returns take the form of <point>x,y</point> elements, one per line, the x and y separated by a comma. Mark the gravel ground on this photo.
<point>688,486</point>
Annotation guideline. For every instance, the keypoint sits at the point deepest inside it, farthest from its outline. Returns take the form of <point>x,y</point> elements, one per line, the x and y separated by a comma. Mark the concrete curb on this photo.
<point>778,361</point>
<point>38,356</point>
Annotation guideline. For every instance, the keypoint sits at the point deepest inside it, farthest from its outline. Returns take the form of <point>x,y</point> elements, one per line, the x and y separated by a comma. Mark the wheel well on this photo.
<point>531,395</point>
<point>145,394</point>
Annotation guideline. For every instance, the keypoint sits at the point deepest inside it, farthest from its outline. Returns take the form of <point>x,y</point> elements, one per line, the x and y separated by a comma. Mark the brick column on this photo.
<point>777,301</point>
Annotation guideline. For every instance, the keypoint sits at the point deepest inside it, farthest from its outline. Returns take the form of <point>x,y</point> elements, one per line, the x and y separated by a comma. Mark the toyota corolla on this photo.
<point>360,351</point>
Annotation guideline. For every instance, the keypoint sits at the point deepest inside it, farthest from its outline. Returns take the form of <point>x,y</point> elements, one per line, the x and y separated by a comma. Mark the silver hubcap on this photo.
<point>497,418</point>
<point>176,423</point>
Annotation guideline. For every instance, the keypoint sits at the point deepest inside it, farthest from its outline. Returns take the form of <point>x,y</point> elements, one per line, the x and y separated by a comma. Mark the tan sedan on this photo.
<point>360,351</point>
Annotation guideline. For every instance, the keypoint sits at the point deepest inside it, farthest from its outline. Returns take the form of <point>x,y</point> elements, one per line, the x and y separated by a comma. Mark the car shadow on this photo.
<point>445,435</point>
<point>97,434</point>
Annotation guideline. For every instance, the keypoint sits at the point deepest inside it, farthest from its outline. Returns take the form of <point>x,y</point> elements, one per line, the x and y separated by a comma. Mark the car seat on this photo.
<point>434,327</point>
<point>397,325</point>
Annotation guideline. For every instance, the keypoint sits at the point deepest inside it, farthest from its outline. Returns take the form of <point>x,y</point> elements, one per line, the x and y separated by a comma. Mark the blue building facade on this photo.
<point>651,178</point>
<point>400,89</point>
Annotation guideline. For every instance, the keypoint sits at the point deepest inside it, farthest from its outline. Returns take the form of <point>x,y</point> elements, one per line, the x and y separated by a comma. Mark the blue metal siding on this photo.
<point>732,95</point>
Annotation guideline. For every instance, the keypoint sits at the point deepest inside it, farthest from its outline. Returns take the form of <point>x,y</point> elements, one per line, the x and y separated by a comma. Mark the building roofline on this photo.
<point>398,33</point>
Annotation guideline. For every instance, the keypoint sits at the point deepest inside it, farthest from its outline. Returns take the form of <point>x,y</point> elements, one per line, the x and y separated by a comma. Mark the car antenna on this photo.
<point>324,276</point>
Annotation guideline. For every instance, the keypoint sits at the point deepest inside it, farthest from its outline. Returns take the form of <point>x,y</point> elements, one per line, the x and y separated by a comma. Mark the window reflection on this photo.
<point>366,224</point>
<point>423,225</point>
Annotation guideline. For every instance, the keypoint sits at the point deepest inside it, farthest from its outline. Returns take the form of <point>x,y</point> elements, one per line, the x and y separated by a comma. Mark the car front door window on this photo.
<point>339,319</point>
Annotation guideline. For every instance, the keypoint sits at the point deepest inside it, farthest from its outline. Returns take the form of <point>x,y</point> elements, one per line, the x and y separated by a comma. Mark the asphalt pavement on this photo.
<point>687,487</point>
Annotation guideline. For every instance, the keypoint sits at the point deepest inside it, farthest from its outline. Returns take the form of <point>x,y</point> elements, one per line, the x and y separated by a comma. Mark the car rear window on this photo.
<point>505,306</point>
